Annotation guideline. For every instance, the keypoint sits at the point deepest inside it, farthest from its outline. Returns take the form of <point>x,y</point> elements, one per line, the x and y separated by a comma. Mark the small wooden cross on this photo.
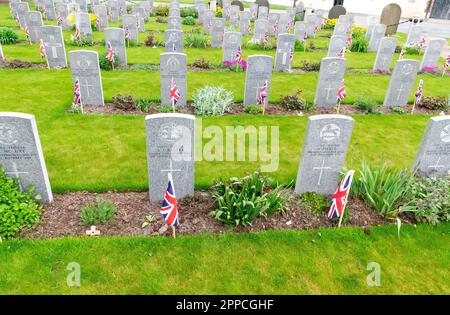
<point>93,231</point>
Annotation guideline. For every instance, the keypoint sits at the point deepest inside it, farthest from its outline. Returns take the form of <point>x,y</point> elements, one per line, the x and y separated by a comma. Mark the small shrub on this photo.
<point>311,66</point>
<point>434,103</point>
<point>202,63</point>
<point>105,64</point>
<point>8,36</point>
<point>219,11</point>
<point>240,201</point>
<point>260,46</point>
<point>143,105</point>
<point>82,42</point>
<point>398,49</point>
<point>18,209</point>
<point>359,42</point>
<point>212,100</point>
<point>366,104</point>
<point>101,211</point>
<point>188,12</point>
<point>194,40</point>
<point>160,10</point>
<point>299,46</point>
<point>314,202</point>
<point>124,102</point>
<point>235,66</point>
<point>161,20</point>
<point>381,188</point>
<point>189,20</point>
<point>150,41</point>
<point>428,199</point>
<point>412,51</point>
<point>398,110</point>
<point>295,102</point>
<point>164,108</point>
<point>253,109</point>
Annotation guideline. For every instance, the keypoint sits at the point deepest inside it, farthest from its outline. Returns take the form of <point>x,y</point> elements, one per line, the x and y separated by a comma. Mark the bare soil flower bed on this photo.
<point>62,217</point>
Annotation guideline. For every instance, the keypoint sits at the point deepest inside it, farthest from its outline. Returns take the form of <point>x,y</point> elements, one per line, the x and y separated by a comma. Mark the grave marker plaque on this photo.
<point>331,73</point>
<point>259,70</point>
<point>402,81</point>
<point>386,50</point>
<point>217,30</point>
<point>33,20</point>
<point>285,52</point>
<point>54,46</point>
<point>432,53</point>
<point>173,69</point>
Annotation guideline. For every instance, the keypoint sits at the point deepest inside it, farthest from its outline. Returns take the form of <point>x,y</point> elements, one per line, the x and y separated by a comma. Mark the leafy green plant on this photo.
<point>124,102</point>
<point>18,209</point>
<point>188,12</point>
<point>195,40</point>
<point>299,46</point>
<point>160,10</point>
<point>202,63</point>
<point>161,20</point>
<point>314,203</point>
<point>8,36</point>
<point>240,201</point>
<point>366,104</point>
<point>412,51</point>
<point>311,66</point>
<point>82,42</point>
<point>105,64</point>
<point>434,103</point>
<point>189,20</point>
<point>398,110</point>
<point>212,100</point>
<point>151,41</point>
<point>253,109</point>
<point>295,102</point>
<point>164,108</point>
<point>381,188</point>
<point>429,200</point>
<point>100,211</point>
<point>260,46</point>
<point>143,104</point>
<point>359,42</point>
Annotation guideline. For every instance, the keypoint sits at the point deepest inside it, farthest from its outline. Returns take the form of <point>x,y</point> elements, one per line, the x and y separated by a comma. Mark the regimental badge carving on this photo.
<point>330,132</point>
<point>445,134</point>
<point>8,134</point>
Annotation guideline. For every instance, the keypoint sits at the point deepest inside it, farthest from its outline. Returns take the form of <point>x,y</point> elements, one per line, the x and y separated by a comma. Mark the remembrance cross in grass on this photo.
<point>93,231</point>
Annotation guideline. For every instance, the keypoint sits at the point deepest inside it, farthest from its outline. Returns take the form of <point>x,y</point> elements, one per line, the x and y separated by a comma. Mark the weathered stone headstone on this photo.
<point>82,4</point>
<point>226,6</point>
<point>415,33</point>
<point>232,41</point>
<point>234,15</point>
<point>102,16</point>
<point>174,23</point>
<point>140,13</point>
<point>285,52</point>
<point>336,11</point>
<point>331,73</point>
<point>300,11</point>
<point>148,7</point>
<point>170,142</point>
<point>259,70</point>
<point>13,6</point>
<point>372,21</point>
<point>49,9</point>
<point>83,21</point>
<point>390,16</point>
<point>201,9</point>
<point>261,28</point>
<point>337,43</point>
<point>386,50</point>
<point>116,37</point>
<point>122,7</point>
<point>244,23</point>
<point>402,81</point>
<point>21,153</point>
<point>62,10</point>
<point>273,23</point>
<point>323,154</point>
<point>113,11</point>
<point>21,10</point>
<point>239,4</point>
<point>341,29</point>
<point>174,40</point>
<point>85,69</point>
<point>217,30</point>
<point>208,22</point>
<point>284,25</point>
<point>130,26</point>
<point>291,12</point>
<point>377,34</point>
<point>263,12</point>
<point>254,11</point>
<point>174,11</point>
<point>432,53</point>
<point>54,46</point>
<point>310,23</point>
<point>433,157</point>
<point>173,67</point>
<point>346,18</point>
<point>33,20</point>
<point>299,30</point>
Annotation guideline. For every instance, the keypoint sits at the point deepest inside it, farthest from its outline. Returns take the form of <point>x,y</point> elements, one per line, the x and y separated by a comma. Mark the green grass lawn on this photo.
<point>334,263</point>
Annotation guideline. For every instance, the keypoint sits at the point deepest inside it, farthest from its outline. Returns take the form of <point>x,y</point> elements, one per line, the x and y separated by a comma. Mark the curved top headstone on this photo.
<point>239,3</point>
<point>263,3</point>
<point>390,16</point>
<point>336,11</point>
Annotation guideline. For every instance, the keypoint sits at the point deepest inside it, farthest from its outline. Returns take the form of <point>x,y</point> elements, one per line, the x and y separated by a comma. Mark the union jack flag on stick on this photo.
<point>446,65</point>
<point>342,93</point>
<point>110,54</point>
<point>291,55</point>
<point>316,29</point>
<point>402,54</point>
<point>77,34</point>
<point>77,96</point>
<point>340,198</point>
<point>238,57</point>
<point>275,28</point>
<point>59,19</point>
<point>418,95</point>
<point>17,19</point>
<point>174,94</point>
<point>265,38</point>
<point>422,41</point>
<point>341,53</point>
<point>128,36</point>
<point>349,40</point>
<point>169,209</point>
<point>27,34</point>
<point>262,96</point>
<point>42,51</point>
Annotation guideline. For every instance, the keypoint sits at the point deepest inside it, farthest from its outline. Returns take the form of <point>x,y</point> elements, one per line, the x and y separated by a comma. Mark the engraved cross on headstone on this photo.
<point>87,85</point>
<point>16,174</point>
<point>437,165</point>
<point>328,90</point>
<point>53,45</point>
<point>321,168</point>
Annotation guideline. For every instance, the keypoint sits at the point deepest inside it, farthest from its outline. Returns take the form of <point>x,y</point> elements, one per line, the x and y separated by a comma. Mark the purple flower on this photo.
<point>244,64</point>
<point>429,69</point>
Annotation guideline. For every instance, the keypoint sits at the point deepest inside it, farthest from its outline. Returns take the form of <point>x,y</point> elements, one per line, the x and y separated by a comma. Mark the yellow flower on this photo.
<point>332,22</point>
<point>219,9</point>
<point>92,17</point>
<point>71,18</point>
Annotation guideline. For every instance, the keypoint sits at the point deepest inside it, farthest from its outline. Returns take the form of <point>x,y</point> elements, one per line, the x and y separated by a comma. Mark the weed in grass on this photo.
<point>101,211</point>
<point>253,109</point>
<point>366,104</point>
<point>314,203</point>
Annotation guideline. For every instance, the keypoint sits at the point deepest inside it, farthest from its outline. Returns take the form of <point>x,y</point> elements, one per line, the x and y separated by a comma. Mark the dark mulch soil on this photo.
<point>271,109</point>
<point>62,217</point>
<point>20,64</point>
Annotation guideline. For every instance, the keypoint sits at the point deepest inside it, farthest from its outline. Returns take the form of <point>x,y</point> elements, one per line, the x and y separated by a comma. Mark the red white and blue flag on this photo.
<point>422,41</point>
<point>291,55</point>
<point>60,20</point>
<point>341,53</point>
<point>27,33</point>
<point>42,49</point>
<point>76,94</point>
<point>447,63</point>
<point>342,93</point>
<point>238,58</point>
<point>349,39</point>
<point>275,27</point>
<point>402,54</point>
<point>110,54</point>
<point>340,197</point>
<point>265,38</point>
<point>174,93</point>
<point>316,28</point>
<point>169,208</point>
<point>17,18</point>
<point>127,34</point>
<point>44,12</point>
<point>305,36</point>
<point>77,32</point>
<point>288,27</point>
<point>419,92</point>
<point>262,95</point>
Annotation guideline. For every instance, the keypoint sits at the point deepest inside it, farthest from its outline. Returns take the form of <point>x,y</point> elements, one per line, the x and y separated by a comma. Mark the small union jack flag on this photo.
<point>59,19</point>
<point>138,22</point>
<point>342,93</point>
<point>120,10</point>
<point>316,28</point>
<point>77,34</point>
<point>265,38</point>
<point>110,53</point>
<point>341,53</point>
<point>305,36</point>
<point>127,34</point>
<point>288,27</point>
<point>262,95</point>
<point>17,18</point>
<point>169,208</point>
<point>291,55</point>
<point>419,92</point>
<point>238,58</point>
<point>422,41</point>
<point>228,12</point>
<point>253,14</point>
<point>27,33</point>
<point>76,94</point>
<point>275,27</point>
<point>42,49</point>
<point>349,39</point>
<point>340,197</point>
<point>44,12</point>
<point>174,93</point>
<point>402,54</point>
<point>447,62</point>
<point>249,27</point>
